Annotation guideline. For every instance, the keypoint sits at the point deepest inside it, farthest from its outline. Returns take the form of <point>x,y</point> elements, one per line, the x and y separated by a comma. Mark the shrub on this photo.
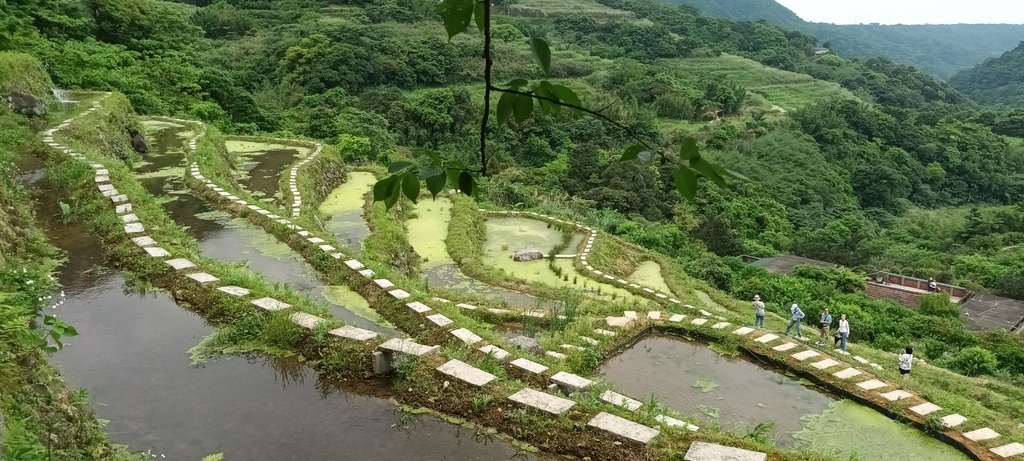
<point>974,361</point>
<point>938,305</point>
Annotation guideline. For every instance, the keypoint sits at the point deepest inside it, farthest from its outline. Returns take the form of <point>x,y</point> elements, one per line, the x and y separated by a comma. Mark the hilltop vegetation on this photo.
<point>997,81</point>
<point>940,50</point>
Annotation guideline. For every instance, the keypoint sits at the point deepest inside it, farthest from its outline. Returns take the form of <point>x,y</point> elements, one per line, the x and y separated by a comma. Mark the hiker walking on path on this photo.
<point>795,316</point>
<point>758,311</point>
<point>844,331</point>
<point>824,326</point>
<point>906,360</point>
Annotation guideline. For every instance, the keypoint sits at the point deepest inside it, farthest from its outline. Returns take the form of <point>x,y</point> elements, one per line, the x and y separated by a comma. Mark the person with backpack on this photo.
<point>795,316</point>
<point>906,360</point>
<point>758,311</point>
<point>824,325</point>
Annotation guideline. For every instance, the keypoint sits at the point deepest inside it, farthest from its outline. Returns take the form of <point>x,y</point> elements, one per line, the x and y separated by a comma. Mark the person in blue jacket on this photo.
<point>795,316</point>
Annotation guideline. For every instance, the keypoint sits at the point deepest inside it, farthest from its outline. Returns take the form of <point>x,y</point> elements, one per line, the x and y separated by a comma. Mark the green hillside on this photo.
<point>998,81</point>
<point>941,50</point>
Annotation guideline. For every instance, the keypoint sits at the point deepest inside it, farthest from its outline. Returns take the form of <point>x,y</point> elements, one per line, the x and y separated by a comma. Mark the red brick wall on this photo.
<point>906,298</point>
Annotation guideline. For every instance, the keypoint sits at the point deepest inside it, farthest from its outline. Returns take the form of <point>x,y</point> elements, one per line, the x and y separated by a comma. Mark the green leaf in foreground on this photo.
<point>411,187</point>
<point>686,182</point>
<point>435,184</point>
<point>541,53</point>
<point>522,108</point>
<point>466,183</point>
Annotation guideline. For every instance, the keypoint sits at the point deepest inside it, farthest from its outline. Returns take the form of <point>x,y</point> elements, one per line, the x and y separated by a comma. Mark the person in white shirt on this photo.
<point>906,360</point>
<point>844,331</point>
<point>758,311</point>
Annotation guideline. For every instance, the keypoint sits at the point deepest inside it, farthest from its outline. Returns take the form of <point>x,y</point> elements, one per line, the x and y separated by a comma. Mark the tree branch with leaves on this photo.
<point>519,100</point>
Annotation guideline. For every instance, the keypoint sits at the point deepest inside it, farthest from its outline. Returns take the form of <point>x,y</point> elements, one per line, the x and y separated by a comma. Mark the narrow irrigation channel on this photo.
<point>739,393</point>
<point>231,239</point>
<point>132,358</point>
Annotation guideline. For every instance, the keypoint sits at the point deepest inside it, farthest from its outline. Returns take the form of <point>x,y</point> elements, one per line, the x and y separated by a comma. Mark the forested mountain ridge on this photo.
<point>998,81</point>
<point>941,50</point>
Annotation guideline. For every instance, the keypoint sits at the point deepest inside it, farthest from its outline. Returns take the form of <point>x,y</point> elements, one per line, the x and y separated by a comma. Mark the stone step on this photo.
<point>898,394</point>
<point>765,339</point>
<point>847,373</point>
<point>134,228</point>
<point>871,385</point>
<point>384,283</point>
<point>720,325</point>
<point>703,451</point>
<point>180,263</point>
<point>743,331</point>
<point>467,373</point>
<point>419,307</point>
<point>156,252</point>
<point>304,320</point>
<point>556,355</point>
<point>399,294</point>
<point>271,304</point>
<point>953,420</point>
<point>623,428</point>
<point>496,352</point>
<point>144,241</point>
<point>824,364</point>
<point>466,336</point>
<point>699,321</point>
<point>542,401</point>
<point>979,435</point>
<point>235,291</point>
<point>440,320</point>
<point>202,277</point>
<point>926,408</point>
<point>571,381</point>
<point>353,333</point>
<point>407,346</point>
<point>801,356</point>
<point>529,366</point>
<point>784,347</point>
<point>1009,450</point>
<point>676,318</point>
<point>673,422</point>
<point>620,400</point>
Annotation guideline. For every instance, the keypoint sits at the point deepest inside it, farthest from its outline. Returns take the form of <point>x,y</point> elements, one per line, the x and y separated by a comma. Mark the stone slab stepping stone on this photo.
<point>860,359</point>
<point>384,283</point>
<point>661,295</point>
<point>784,347</point>
<point>105,187</point>
<point>466,336</point>
<point>271,304</point>
<point>121,198</point>
<point>440,320</point>
<point>134,228</point>
<point>619,322</point>
<point>742,331</point>
<point>623,427</point>
<point>497,311</point>
<point>571,381</point>
<point>407,346</point>
<point>556,355</point>
<point>604,332</point>
<point>180,263</point>
<point>847,373</point>
<point>254,207</point>
<point>304,320</point>
<point>467,373</point>
<point>676,318</point>
<point>336,255</point>
<point>529,366</point>
<point>366,273</point>
<point>699,321</point>
<point>466,306</point>
<point>235,291</point>
<point>327,247</point>
<point>542,401</point>
<point>129,218</point>
<point>418,307</point>
<point>316,240</point>
<point>629,314</point>
<point>984,433</point>
<point>827,363</point>
<point>801,356</point>
<point>953,420</point>
<point>926,408</point>
<point>704,312</point>
<point>102,172</point>
<point>589,340</point>
<point>157,252</point>
<point>673,422</point>
<point>570,347</point>
<point>720,325</point>
<point>898,394</point>
<point>703,451</point>
<point>111,193</point>
<point>399,294</point>
<point>202,277</point>
<point>871,385</point>
<point>123,208</point>
<point>765,339</point>
<point>1009,450</point>
<point>620,400</point>
<point>648,290</point>
<point>104,178</point>
<point>496,352</point>
<point>354,264</point>
<point>654,315</point>
<point>537,314</point>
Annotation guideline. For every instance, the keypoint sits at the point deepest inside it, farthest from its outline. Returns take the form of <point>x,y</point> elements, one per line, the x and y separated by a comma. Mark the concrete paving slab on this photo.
<point>235,291</point>
<point>604,332</point>
<point>180,263</point>
<point>979,435</point>
<point>620,400</point>
<point>408,346</point>
<point>571,381</point>
<point>202,277</point>
<point>925,409</point>
<point>847,373</point>
<point>1009,450</point>
<point>353,333</point>
<point>801,356</point>
<point>824,364</point>
<point>703,451</point>
<point>589,340</point>
<point>467,373</point>
<point>629,314</point>
<point>440,320</point>
<point>953,420</point>
<point>157,252</point>
<point>673,422</point>
<point>784,347</point>
<point>354,264</point>
<point>304,320</point>
<point>399,294</point>
<point>654,315</point>
<point>765,339</point>
<point>676,318</point>
<point>383,283</point>
<point>466,306</point>
<point>542,401</point>
<point>120,198</point>
<point>720,325</point>
<point>624,428</point>
<point>743,331</point>
<point>496,352</point>
<point>123,208</point>
<point>466,336</point>
<point>897,394</point>
<point>619,322</point>
<point>418,307</point>
<point>316,240</point>
<point>129,218</point>
<point>529,366</point>
<point>366,273</point>
<point>271,304</point>
<point>699,321</point>
<point>871,384</point>
<point>134,228</point>
<point>105,187</point>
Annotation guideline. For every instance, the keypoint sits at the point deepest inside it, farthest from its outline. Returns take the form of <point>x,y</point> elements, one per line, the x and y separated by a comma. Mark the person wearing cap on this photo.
<point>795,316</point>
<point>758,311</point>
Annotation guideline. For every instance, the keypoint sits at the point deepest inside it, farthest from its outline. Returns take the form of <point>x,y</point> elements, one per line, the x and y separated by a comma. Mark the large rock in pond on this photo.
<point>527,254</point>
<point>138,142</point>
<point>527,344</point>
<point>26,104</point>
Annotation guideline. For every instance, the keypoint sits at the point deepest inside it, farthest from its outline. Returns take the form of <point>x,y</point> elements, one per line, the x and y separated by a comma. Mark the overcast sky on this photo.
<point>909,11</point>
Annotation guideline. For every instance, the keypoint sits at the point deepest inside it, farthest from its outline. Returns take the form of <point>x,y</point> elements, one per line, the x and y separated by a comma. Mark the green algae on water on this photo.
<point>429,229</point>
<point>350,195</point>
<point>648,274</point>
<point>344,296</point>
<point>846,429</point>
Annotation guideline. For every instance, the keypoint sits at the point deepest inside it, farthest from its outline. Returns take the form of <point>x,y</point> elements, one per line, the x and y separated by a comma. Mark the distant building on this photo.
<point>819,51</point>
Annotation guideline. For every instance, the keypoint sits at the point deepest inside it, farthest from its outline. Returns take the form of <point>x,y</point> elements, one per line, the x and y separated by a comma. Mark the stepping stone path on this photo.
<point>202,277</point>
<point>496,352</point>
<point>847,373</point>
<point>926,408</point>
<point>529,366</point>
<point>235,291</point>
<point>743,331</point>
<point>623,428</point>
<point>703,451</point>
<point>824,364</point>
<point>801,356</point>
<point>673,422</point>
<point>556,355</point>
<point>353,333</point>
<point>466,336</point>
<point>784,347</point>
<point>305,320</point>
<point>604,332</point>
<point>407,346</point>
<point>871,384</point>
<point>767,338</point>
<point>467,373</point>
<point>440,320</point>
<point>620,400</point>
<point>979,435</point>
<point>699,321</point>
<point>953,420</point>
<point>418,307</point>
<point>180,264</point>
<point>898,394</point>
<point>542,401</point>
<point>676,318</point>
<point>270,304</point>
<point>157,252</point>
<point>1009,450</point>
